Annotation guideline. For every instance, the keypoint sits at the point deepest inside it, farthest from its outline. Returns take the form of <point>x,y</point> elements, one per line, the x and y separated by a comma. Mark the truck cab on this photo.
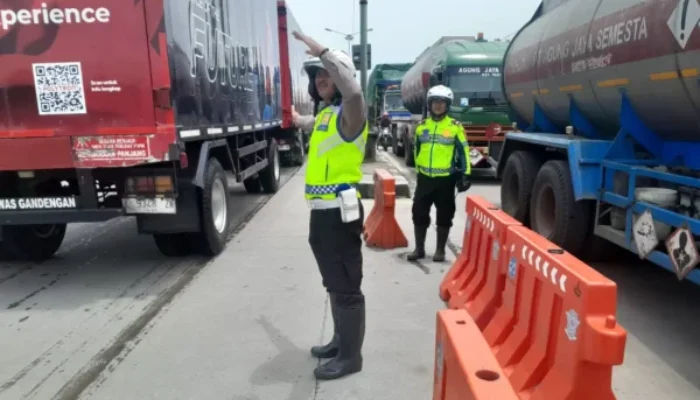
<point>392,104</point>
<point>480,105</point>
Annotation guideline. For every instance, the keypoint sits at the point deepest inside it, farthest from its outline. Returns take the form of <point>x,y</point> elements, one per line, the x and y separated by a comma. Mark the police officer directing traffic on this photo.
<point>336,151</point>
<point>442,161</point>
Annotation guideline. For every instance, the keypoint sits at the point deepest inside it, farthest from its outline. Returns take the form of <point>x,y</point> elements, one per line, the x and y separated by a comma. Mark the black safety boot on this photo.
<point>442,235</point>
<point>329,350</point>
<point>351,329</point>
<point>419,252</point>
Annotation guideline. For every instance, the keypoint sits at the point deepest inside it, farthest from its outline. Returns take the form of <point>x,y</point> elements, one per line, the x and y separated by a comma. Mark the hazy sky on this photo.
<point>404,28</point>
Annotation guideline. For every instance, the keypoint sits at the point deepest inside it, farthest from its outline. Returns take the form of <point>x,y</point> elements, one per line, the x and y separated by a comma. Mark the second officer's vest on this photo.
<point>435,146</point>
<point>333,162</point>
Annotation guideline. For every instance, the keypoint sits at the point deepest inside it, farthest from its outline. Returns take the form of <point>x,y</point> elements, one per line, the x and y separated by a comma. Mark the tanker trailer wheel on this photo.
<point>214,211</point>
<point>270,176</point>
<point>554,214</point>
<point>299,151</point>
<point>400,151</point>
<point>408,154</point>
<point>516,184</point>
<point>173,244</point>
<point>32,242</point>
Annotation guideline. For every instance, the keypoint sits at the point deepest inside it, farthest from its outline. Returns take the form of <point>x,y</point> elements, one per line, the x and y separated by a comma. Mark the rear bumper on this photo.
<point>57,216</point>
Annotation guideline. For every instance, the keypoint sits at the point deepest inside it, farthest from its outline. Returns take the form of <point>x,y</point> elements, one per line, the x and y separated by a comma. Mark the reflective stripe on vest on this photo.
<point>333,162</point>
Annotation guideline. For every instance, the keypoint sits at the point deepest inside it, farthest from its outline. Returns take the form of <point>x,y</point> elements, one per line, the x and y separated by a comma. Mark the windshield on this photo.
<point>393,102</point>
<point>474,86</point>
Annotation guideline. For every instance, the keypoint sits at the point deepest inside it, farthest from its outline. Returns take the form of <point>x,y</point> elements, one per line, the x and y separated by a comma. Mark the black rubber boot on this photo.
<point>329,350</point>
<point>351,329</point>
<point>442,236</point>
<point>419,252</point>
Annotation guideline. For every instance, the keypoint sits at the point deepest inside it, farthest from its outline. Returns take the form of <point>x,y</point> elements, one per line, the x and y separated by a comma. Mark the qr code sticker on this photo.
<point>59,88</point>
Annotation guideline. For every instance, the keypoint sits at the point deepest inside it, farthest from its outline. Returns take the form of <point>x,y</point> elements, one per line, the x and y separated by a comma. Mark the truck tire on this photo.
<point>400,151</point>
<point>173,244</point>
<point>270,176</point>
<point>299,152</point>
<point>516,184</point>
<point>32,242</point>
<point>408,154</point>
<point>554,214</point>
<point>214,207</point>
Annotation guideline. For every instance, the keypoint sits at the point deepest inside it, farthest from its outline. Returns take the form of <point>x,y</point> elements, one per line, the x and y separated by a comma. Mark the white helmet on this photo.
<point>441,92</point>
<point>311,65</point>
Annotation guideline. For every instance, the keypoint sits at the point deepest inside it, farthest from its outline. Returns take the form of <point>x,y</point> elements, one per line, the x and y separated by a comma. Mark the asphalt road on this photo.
<point>63,321</point>
<point>662,356</point>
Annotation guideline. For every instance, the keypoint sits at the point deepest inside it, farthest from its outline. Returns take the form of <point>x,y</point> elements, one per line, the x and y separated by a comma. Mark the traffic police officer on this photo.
<point>442,161</point>
<point>336,152</point>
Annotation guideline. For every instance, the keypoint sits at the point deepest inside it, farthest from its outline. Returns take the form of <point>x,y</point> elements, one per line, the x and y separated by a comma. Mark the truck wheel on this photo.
<point>299,151</point>
<point>215,215</point>
<point>32,242</point>
<point>173,244</point>
<point>554,214</point>
<point>516,184</point>
<point>270,176</point>
<point>408,155</point>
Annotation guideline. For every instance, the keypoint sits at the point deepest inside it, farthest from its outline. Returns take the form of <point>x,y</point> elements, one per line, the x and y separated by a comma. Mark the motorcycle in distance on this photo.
<point>385,139</point>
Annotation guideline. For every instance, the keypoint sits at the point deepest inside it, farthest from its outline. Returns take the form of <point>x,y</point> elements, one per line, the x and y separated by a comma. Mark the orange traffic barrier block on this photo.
<point>381,228</point>
<point>465,368</point>
<point>556,334</point>
<point>476,280</point>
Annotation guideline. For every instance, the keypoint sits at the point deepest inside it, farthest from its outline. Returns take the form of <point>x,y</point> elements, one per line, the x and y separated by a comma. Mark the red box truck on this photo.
<point>113,107</point>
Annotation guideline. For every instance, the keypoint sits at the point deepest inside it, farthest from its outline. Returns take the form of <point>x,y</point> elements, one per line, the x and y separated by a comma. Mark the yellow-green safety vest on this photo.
<point>333,162</point>
<point>441,148</point>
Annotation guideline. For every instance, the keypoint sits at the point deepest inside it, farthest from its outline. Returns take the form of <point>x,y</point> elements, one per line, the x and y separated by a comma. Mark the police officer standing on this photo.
<point>336,152</point>
<point>442,161</point>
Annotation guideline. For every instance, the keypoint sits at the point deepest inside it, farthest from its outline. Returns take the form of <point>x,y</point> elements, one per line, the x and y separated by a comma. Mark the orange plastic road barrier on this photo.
<point>476,280</point>
<point>555,335</point>
<point>465,368</point>
<point>381,229</point>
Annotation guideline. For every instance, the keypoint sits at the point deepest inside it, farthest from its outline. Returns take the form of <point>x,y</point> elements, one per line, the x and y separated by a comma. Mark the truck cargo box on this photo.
<point>112,83</point>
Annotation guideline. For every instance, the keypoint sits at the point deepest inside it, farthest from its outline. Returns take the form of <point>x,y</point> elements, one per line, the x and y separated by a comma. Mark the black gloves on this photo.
<point>463,184</point>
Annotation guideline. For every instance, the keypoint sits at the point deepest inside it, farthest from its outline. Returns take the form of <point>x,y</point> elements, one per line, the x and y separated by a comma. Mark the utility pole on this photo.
<point>363,44</point>
<point>349,37</point>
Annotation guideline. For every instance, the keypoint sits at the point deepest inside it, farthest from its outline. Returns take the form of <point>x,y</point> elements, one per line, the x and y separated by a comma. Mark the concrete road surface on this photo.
<point>662,359</point>
<point>63,321</point>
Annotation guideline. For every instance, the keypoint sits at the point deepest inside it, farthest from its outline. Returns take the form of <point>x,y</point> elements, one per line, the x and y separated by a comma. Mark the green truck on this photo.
<point>472,68</point>
<point>383,94</point>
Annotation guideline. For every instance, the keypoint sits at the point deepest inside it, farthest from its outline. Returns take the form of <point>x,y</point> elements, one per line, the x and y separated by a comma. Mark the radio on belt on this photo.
<point>349,204</point>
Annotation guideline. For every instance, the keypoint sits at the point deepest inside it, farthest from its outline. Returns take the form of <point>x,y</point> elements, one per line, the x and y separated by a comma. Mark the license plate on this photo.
<point>284,147</point>
<point>149,205</point>
<point>476,157</point>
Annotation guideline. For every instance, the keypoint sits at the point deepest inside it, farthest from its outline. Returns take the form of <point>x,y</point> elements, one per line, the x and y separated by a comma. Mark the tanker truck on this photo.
<point>383,94</point>
<point>605,95</point>
<point>471,67</point>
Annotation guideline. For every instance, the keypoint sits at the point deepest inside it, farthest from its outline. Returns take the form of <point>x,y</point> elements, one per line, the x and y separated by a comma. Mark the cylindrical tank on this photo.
<point>413,90</point>
<point>593,50</point>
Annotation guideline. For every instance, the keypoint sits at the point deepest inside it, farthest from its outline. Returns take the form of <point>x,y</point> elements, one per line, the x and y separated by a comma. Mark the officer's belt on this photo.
<point>324,204</point>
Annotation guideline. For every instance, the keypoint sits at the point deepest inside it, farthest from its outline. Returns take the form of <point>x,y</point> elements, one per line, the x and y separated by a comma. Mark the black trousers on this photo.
<point>439,191</point>
<point>337,247</point>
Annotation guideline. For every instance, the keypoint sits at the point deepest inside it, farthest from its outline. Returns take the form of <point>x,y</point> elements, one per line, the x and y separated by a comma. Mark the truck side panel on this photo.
<point>224,55</point>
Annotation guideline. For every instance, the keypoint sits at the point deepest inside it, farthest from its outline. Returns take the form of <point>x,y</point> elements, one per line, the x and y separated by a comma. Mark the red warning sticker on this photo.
<point>111,148</point>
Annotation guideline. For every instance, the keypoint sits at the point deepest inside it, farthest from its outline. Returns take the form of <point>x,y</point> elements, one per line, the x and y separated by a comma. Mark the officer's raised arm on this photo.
<point>354,113</point>
<point>342,73</point>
